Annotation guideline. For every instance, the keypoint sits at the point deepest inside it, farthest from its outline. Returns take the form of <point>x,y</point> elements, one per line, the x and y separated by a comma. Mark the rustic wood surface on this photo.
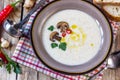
<point>30,74</point>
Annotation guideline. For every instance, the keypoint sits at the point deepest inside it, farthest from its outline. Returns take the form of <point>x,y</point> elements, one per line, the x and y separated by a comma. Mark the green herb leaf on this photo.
<point>54,45</point>
<point>11,65</point>
<point>17,69</point>
<point>63,46</point>
<point>51,28</point>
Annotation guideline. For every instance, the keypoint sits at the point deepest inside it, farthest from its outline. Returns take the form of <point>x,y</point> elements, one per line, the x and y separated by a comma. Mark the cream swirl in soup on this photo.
<point>76,43</point>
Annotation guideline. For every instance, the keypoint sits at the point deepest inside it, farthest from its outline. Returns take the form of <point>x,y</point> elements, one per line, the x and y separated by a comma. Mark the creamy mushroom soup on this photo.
<point>71,37</point>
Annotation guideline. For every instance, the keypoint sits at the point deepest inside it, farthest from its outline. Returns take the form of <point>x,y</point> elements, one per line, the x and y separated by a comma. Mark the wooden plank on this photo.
<point>109,75</point>
<point>44,77</point>
<point>27,74</point>
<point>1,4</point>
<point>3,74</point>
<point>117,71</point>
<point>31,74</point>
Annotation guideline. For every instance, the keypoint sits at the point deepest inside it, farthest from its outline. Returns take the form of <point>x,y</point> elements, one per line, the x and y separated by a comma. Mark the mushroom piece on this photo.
<point>55,36</point>
<point>28,4</point>
<point>4,43</point>
<point>62,26</point>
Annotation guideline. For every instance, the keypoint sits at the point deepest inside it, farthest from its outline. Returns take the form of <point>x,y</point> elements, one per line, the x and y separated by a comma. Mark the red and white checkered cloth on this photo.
<point>25,55</point>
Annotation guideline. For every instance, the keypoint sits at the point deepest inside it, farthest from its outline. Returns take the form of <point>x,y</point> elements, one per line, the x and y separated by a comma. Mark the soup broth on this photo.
<point>77,43</point>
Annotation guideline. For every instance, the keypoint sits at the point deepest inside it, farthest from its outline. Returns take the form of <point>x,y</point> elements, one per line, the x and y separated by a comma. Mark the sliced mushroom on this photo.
<point>55,36</point>
<point>62,26</point>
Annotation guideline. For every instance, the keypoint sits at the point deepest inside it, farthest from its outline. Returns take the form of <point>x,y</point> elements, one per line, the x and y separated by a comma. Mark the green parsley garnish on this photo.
<point>51,28</point>
<point>11,65</point>
<point>63,46</point>
<point>54,45</point>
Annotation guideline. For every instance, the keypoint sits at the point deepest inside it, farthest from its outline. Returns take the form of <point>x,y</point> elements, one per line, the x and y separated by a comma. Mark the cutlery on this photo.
<point>15,29</point>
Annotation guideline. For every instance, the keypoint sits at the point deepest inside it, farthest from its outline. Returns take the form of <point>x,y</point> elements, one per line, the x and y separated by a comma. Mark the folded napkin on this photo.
<point>25,55</point>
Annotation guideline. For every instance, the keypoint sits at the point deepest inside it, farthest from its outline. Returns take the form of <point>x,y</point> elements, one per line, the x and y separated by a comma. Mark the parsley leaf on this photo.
<point>54,45</point>
<point>17,69</point>
<point>51,28</point>
<point>11,65</point>
<point>63,46</point>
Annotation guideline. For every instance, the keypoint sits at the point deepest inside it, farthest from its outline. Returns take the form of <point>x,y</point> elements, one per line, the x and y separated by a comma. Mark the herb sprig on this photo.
<point>11,65</point>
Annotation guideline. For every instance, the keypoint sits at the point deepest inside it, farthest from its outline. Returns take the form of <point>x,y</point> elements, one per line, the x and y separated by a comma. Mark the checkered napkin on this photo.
<point>25,55</point>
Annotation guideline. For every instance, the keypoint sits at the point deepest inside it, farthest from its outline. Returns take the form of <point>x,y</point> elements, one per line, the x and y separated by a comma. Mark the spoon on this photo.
<point>114,60</point>
<point>15,29</point>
